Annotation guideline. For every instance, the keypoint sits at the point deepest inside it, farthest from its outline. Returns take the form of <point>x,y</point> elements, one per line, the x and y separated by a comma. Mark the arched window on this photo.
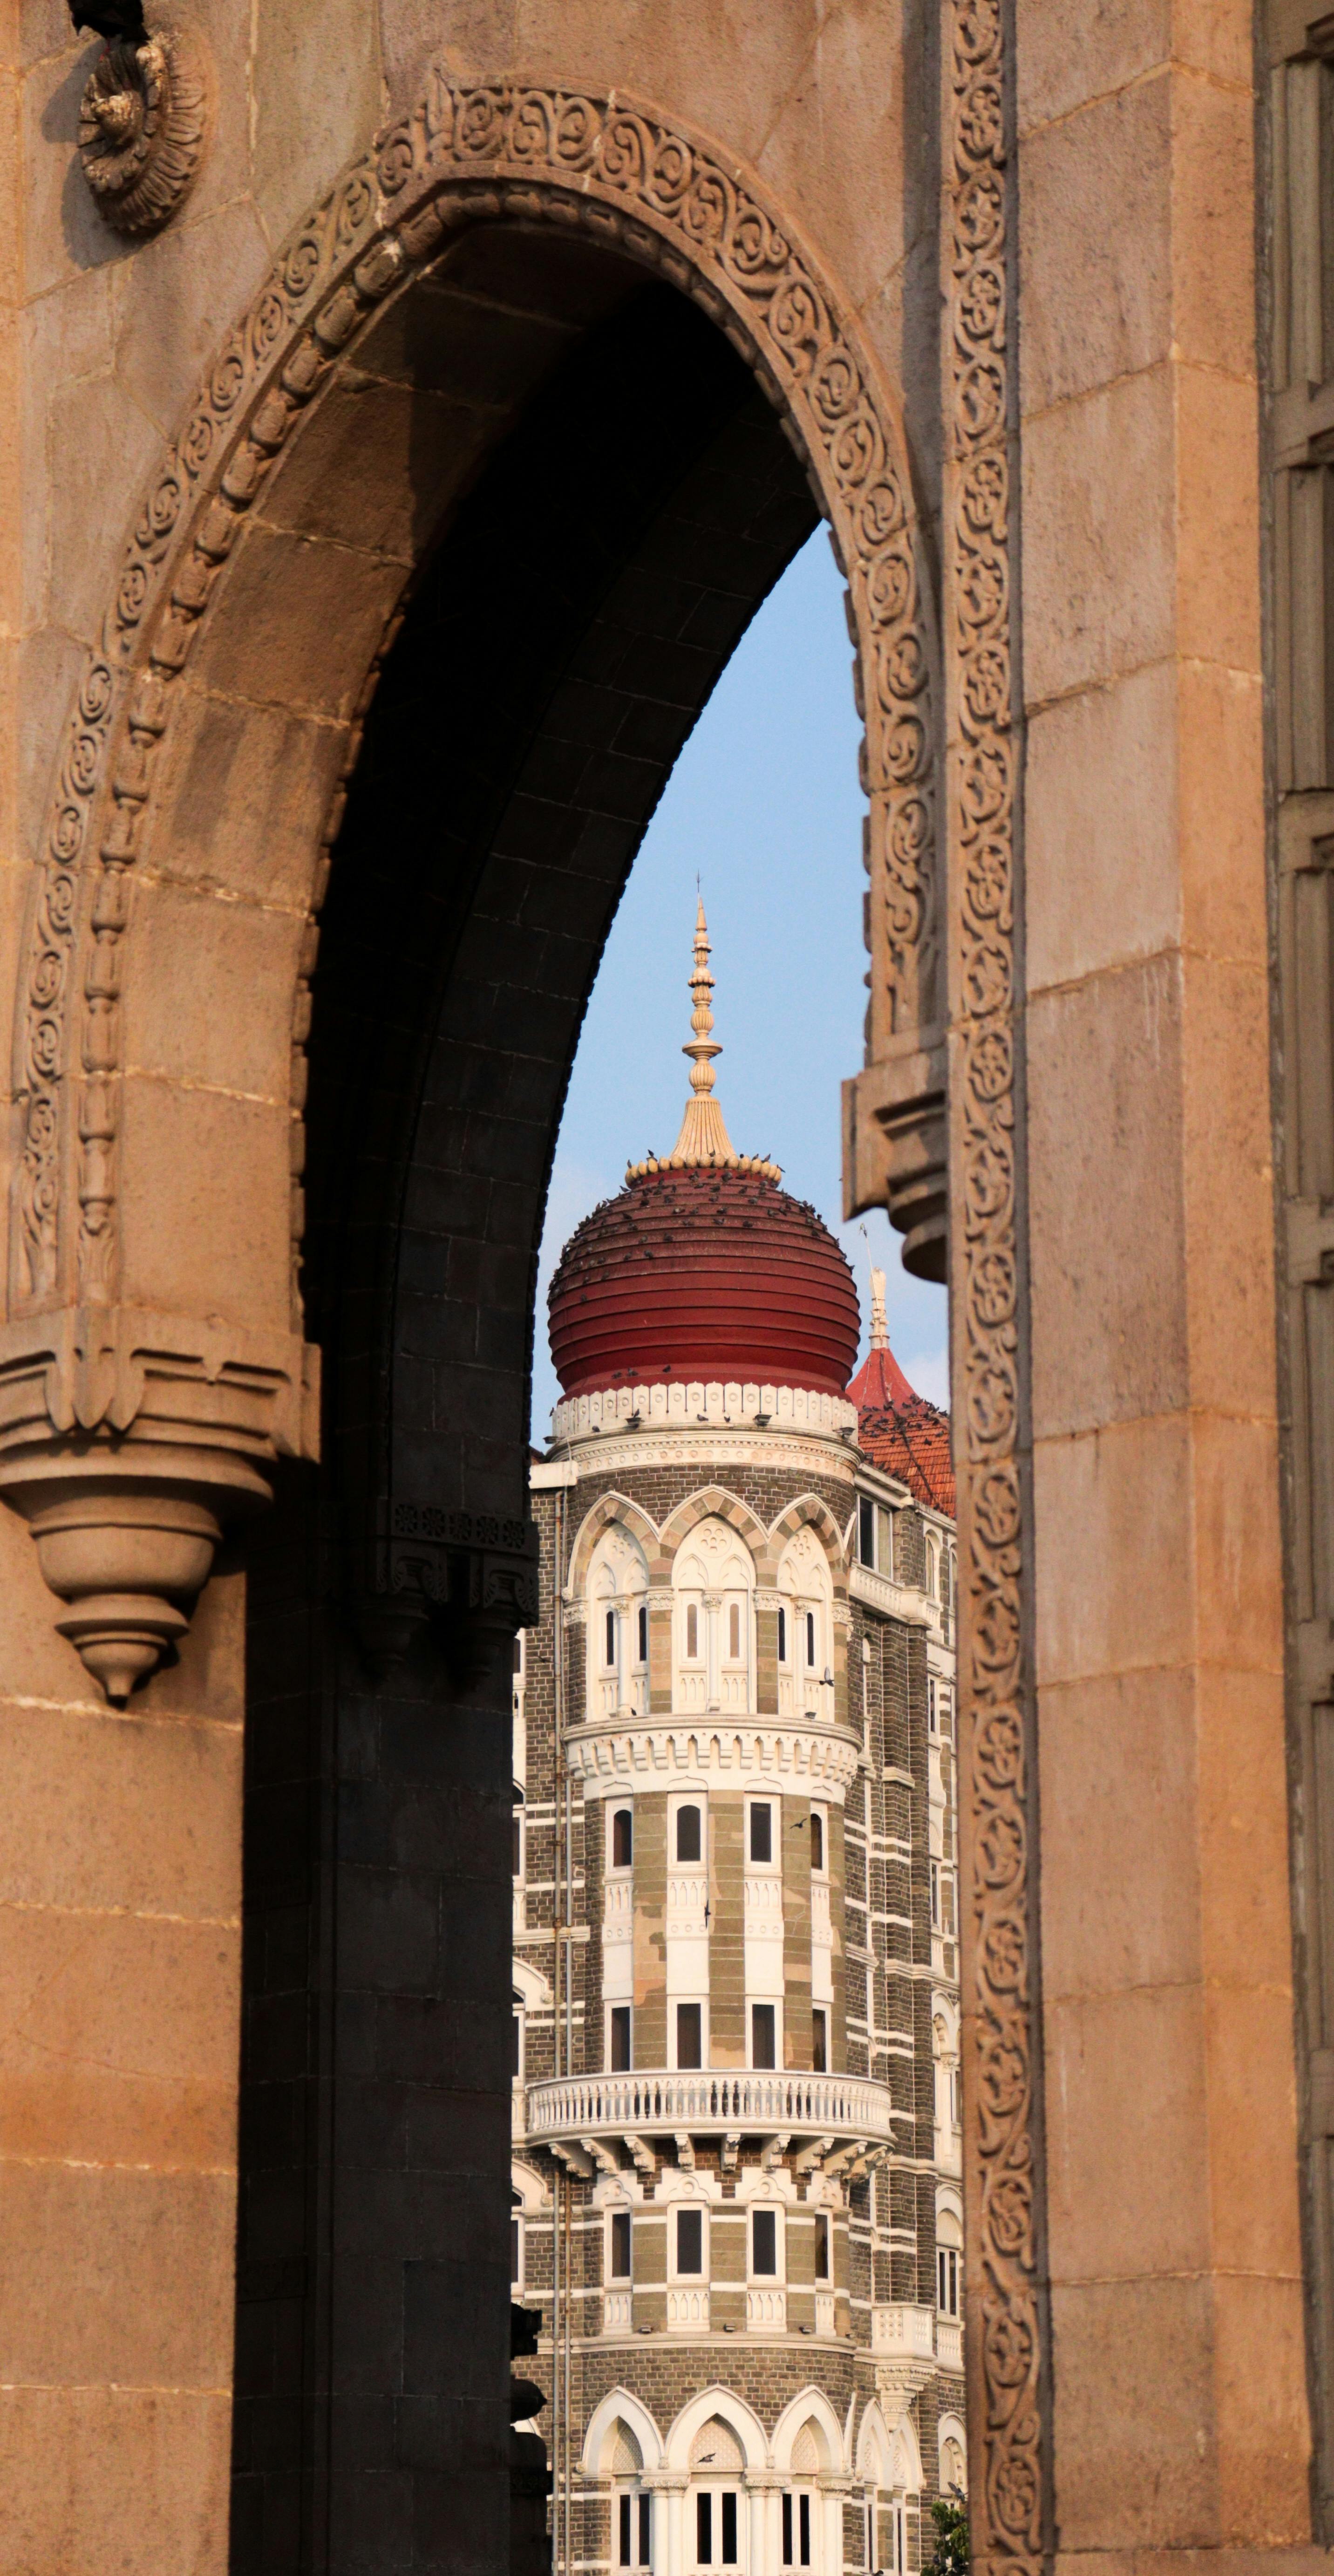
<point>689,1834</point>
<point>617,1625</point>
<point>806,1619</point>
<point>713,1579</point>
<point>622,1838</point>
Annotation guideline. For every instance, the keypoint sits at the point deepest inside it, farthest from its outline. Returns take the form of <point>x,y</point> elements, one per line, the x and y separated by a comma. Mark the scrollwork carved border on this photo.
<point>506,150</point>
<point>1008,2338</point>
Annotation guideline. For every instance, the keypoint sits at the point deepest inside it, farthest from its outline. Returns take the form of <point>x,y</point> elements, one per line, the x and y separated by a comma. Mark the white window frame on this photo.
<point>949,2280</point>
<point>673,2004</point>
<point>618,2004</point>
<point>774,1865</point>
<point>776,2280</point>
<point>688,2280</point>
<point>678,1800</point>
<point>765,2003</point>
<point>612,2279</point>
<point>619,1807</point>
<point>517,2236</point>
<point>820,2012</point>
<point>937,1910</point>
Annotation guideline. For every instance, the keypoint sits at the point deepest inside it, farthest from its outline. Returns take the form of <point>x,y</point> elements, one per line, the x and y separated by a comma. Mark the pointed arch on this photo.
<point>810,1511</point>
<point>875,2458</point>
<point>609,1509</point>
<point>734,2412</point>
<point>713,1503</point>
<point>810,2406</point>
<point>619,2407</point>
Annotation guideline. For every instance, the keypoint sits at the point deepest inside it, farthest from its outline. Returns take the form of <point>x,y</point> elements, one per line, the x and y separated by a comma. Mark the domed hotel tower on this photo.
<point>735,2125</point>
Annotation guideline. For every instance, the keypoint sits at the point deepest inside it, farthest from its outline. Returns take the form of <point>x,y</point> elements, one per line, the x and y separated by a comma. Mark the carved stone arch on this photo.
<point>734,2412</point>
<point>619,2407</point>
<point>600,1516</point>
<point>811,2405</point>
<point>104,1336</point>
<point>713,1503</point>
<point>809,1511</point>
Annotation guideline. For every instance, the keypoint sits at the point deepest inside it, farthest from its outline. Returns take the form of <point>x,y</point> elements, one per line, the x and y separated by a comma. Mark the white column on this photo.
<point>674,2499</point>
<point>757,2556</point>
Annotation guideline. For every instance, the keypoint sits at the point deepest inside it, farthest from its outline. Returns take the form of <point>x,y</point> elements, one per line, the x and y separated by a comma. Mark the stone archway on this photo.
<point>158,1386</point>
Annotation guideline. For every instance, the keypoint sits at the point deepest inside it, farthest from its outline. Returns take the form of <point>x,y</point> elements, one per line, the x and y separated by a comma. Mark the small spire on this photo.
<point>704,1137</point>
<point>879,1319</point>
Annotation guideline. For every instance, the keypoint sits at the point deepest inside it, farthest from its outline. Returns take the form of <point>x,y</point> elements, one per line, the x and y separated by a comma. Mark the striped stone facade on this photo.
<point>736,2149</point>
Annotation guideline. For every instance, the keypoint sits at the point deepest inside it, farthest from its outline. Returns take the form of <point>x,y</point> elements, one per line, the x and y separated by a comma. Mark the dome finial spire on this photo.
<point>704,1138</point>
<point>879,1319</point>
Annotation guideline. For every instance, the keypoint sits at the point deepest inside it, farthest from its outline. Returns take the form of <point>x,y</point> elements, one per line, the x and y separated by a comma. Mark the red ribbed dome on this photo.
<point>709,1273</point>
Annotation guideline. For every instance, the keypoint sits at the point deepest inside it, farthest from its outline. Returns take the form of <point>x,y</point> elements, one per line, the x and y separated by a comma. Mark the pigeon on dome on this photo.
<point>704,1139</point>
<point>898,1429</point>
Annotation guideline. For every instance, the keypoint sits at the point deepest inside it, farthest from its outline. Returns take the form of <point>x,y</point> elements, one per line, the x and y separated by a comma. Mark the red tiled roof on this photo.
<point>902,1433</point>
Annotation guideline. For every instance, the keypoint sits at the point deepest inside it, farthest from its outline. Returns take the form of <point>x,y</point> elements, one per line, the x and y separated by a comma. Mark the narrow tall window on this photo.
<point>761,1833</point>
<point>810,1640</point>
<point>692,1631</point>
<point>866,1530</point>
<point>947,2280</point>
<point>645,2531</point>
<point>819,2041</point>
<point>817,1839</point>
<point>762,2034</point>
<point>782,1635</point>
<point>734,1630</point>
<point>764,2243</point>
<point>704,2529</point>
<point>622,1838</point>
<point>787,2532</point>
<point>516,2044</point>
<point>688,2035</point>
<point>611,1641</point>
<point>689,1834</point>
<point>804,2530</point>
<point>627,2509</point>
<point>690,2242</point>
<point>935,1896</point>
<point>620,2245</point>
<point>728,2503</point>
<point>932,1705</point>
<point>620,2039</point>
<point>643,1657</point>
<point>516,1845</point>
<point>822,2249</point>
<point>516,2253</point>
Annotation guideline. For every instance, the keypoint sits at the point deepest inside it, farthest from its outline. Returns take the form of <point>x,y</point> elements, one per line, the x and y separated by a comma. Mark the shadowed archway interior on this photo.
<point>630,500</point>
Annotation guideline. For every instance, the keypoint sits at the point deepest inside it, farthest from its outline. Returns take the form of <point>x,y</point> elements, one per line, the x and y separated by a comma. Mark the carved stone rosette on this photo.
<point>1005,2230</point>
<point>143,124</point>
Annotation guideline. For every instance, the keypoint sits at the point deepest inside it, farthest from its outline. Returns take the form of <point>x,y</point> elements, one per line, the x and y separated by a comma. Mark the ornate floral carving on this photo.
<point>1006,2215</point>
<point>461,156</point>
<point>143,121</point>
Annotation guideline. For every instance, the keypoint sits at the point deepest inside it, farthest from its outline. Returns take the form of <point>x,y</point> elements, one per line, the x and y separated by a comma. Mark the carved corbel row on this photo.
<point>470,1577</point>
<point>130,1443</point>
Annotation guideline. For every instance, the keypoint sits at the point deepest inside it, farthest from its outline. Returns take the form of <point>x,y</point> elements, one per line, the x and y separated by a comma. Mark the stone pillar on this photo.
<point>1166,2293</point>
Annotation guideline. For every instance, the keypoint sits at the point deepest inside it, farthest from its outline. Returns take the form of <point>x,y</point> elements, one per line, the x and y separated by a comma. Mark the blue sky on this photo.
<point>764,807</point>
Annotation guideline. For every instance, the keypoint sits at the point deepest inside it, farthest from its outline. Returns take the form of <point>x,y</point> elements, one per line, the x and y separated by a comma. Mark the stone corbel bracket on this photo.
<point>129,1443</point>
<point>895,1137</point>
<point>144,123</point>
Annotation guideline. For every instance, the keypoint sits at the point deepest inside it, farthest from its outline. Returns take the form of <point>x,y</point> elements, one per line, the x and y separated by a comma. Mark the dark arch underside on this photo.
<point>569,627</point>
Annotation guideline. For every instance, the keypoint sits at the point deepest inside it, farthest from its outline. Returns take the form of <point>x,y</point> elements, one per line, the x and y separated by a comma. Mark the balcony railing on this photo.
<point>909,2333</point>
<point>834,2106</point>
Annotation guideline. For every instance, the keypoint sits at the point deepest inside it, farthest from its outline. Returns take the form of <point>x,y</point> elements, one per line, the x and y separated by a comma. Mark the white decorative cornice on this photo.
<point>690,1403</point>
<point>725,1750</point>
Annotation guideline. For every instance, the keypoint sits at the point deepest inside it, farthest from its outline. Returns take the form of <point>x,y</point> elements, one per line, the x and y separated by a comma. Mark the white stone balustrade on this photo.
<point>904,2333</point>
<point>837,2106</point>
